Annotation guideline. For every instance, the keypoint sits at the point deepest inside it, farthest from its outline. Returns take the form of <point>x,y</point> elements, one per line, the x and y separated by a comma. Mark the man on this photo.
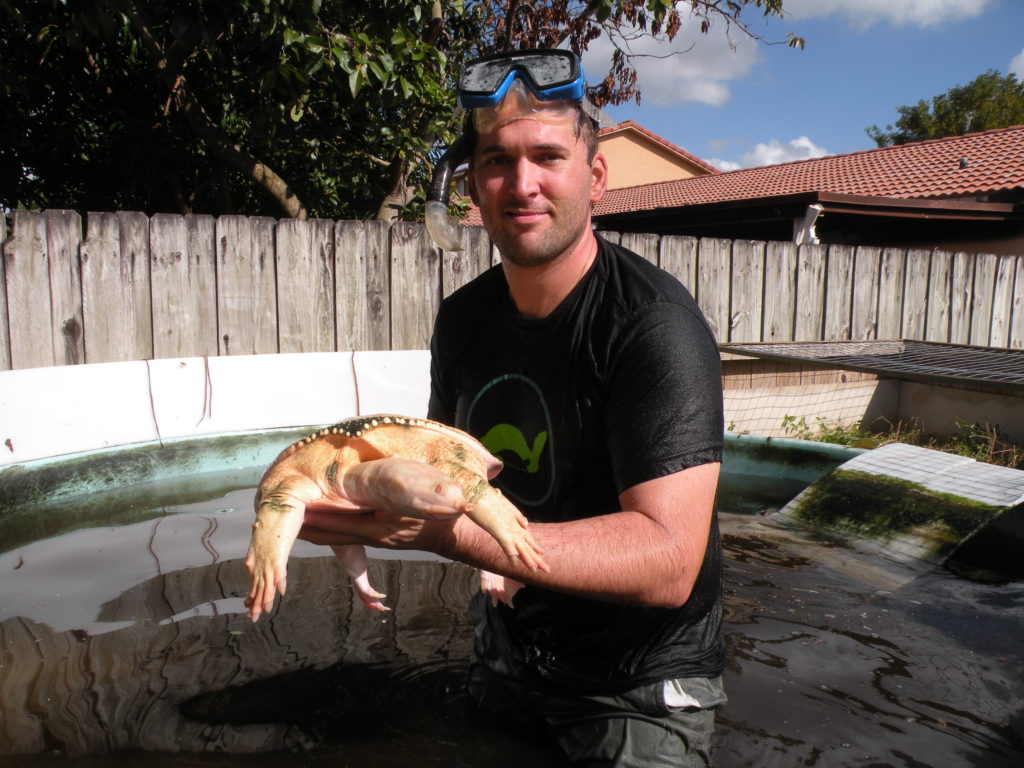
<point>593,375</point>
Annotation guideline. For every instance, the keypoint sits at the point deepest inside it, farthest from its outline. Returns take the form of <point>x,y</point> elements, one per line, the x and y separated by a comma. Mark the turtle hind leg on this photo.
<point>353,560</point>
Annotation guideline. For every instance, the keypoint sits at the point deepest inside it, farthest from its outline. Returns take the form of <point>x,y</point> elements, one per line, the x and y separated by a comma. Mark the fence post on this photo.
<point>961,298</point>
<point>1016,334</point>
<point>747,291</point>
<point>28,292</point>
<point>892,280</point>
<point>415,286</point>
<point>305,285</point>
<point>812,263</point>
<point>362,285</point>
<point>117,309</point>
<point>459,267</point>
<point>678,255</point>
<point>780,291</point>
<point>864,307</point>
<point>246,286</point>
<point>713,267</point>
<point>983,299</point>
<point>915,294</point>
<point>838,293</point>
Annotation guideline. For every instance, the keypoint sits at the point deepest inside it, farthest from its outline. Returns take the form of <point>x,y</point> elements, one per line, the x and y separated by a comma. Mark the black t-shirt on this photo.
<point>619,385</point>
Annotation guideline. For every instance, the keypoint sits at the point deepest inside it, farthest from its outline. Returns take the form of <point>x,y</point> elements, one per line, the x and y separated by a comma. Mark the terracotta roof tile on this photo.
<point>993,161</point>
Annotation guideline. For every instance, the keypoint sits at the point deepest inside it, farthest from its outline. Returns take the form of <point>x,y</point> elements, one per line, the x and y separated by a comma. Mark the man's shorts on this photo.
<point>662,725</point>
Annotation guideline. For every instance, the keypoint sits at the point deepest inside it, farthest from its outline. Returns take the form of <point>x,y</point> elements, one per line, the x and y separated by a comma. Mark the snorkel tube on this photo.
<point>442,231</point>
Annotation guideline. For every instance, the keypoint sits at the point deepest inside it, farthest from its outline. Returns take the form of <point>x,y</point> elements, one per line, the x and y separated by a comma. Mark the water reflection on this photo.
<point>838,659</point>
<point>132,637</point>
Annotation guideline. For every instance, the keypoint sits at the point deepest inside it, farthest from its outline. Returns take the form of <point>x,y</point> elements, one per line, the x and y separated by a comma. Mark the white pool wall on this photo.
<point>61,410</point>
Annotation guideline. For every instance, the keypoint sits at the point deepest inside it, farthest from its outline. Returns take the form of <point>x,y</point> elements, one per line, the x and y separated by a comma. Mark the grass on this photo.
<point>982,442</point>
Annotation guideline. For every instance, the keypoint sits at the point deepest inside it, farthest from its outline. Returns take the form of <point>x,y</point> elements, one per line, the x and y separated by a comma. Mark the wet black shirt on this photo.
<point>619,385</point>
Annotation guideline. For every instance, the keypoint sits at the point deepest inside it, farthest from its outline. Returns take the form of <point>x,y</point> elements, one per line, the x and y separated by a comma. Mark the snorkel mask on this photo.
<point>543,84</point>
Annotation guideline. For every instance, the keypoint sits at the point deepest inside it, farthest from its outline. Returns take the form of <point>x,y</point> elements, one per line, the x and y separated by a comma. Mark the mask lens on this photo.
<point>484,76</point>
<point>546,70</point>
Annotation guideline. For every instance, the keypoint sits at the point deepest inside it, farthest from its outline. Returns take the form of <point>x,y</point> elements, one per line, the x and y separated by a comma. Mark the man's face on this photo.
<point>534,187</point>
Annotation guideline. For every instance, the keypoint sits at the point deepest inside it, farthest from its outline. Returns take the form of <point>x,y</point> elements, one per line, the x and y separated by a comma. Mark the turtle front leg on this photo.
<point>500,518</point>
<point>279,514</point>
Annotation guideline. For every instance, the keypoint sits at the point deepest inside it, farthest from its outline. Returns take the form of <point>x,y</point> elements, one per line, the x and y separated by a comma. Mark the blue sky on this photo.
<point>755,104</point>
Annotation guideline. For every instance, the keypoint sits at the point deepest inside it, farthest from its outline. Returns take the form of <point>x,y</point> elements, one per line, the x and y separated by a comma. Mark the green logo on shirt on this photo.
<point>510,416</point>
<point>505,437</point>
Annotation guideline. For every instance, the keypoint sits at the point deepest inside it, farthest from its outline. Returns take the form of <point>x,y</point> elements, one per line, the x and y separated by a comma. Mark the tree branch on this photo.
<point>207,129</point>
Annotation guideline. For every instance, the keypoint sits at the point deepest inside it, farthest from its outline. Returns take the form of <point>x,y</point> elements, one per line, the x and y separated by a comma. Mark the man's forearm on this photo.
<point>621,557</point>
<point>649,557</point>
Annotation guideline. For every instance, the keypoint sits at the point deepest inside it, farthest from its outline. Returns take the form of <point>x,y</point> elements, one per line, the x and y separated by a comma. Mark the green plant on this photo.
<point>981,442</point>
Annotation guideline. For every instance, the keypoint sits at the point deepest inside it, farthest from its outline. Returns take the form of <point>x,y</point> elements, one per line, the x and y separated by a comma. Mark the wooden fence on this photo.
<point>132,287</point>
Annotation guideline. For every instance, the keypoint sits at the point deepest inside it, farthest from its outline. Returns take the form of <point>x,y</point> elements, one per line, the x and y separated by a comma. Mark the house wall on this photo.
<point>633,160</point>
<point>943,409</point>
<point>779,399</point>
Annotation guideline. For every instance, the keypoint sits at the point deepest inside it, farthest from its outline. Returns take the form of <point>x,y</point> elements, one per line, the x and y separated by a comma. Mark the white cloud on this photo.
<point>700,69</point>
<point>1017,65</point>
<point>866,13</point>
<point>775,152</point>
<point>725,165</point>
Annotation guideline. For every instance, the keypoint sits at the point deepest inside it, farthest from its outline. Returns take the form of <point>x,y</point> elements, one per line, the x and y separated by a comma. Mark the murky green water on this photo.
<point>122,642</point>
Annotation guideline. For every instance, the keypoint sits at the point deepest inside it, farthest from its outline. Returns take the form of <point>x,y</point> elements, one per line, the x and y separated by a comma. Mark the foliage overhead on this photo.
<point>327,108</point>
<point>989,101</point>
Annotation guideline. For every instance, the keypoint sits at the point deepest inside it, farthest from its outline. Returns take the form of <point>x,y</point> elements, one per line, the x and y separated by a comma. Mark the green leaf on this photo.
<point>406,86</point>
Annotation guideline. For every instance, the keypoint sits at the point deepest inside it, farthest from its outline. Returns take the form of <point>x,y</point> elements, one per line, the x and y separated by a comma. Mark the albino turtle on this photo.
<point>414,467</point>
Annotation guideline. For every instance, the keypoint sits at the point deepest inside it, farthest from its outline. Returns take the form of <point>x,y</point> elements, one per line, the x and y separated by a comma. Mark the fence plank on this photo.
<point>780,291</point>
<point>63,237</point>
<point>746,307</point>
<point>962,282</point>
<point>713,264</point>
<point>812,261</point>
<point>645,245</point>
<point>1002,301</point>
<point>415,286</point>
<point>678,256</point>
<point>1016,334</point>
<point>28,292</point>
<point>940,286</point>
<point>136,288</point>
<point>246,286</point>
<point>5,331</point>
<point>361,268</point>
<point>864,310</point>
<point>839,294</point>
<point>459,267</point>
<point>915,294</point>
<point>982,298</point>
<point>117,317</point>
<point>305,285</point>
<point>892,280</point>
<point>184,299</point>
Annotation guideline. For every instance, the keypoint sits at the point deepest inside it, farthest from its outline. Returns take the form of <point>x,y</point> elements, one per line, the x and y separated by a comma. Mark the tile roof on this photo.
<point>992,161</point>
